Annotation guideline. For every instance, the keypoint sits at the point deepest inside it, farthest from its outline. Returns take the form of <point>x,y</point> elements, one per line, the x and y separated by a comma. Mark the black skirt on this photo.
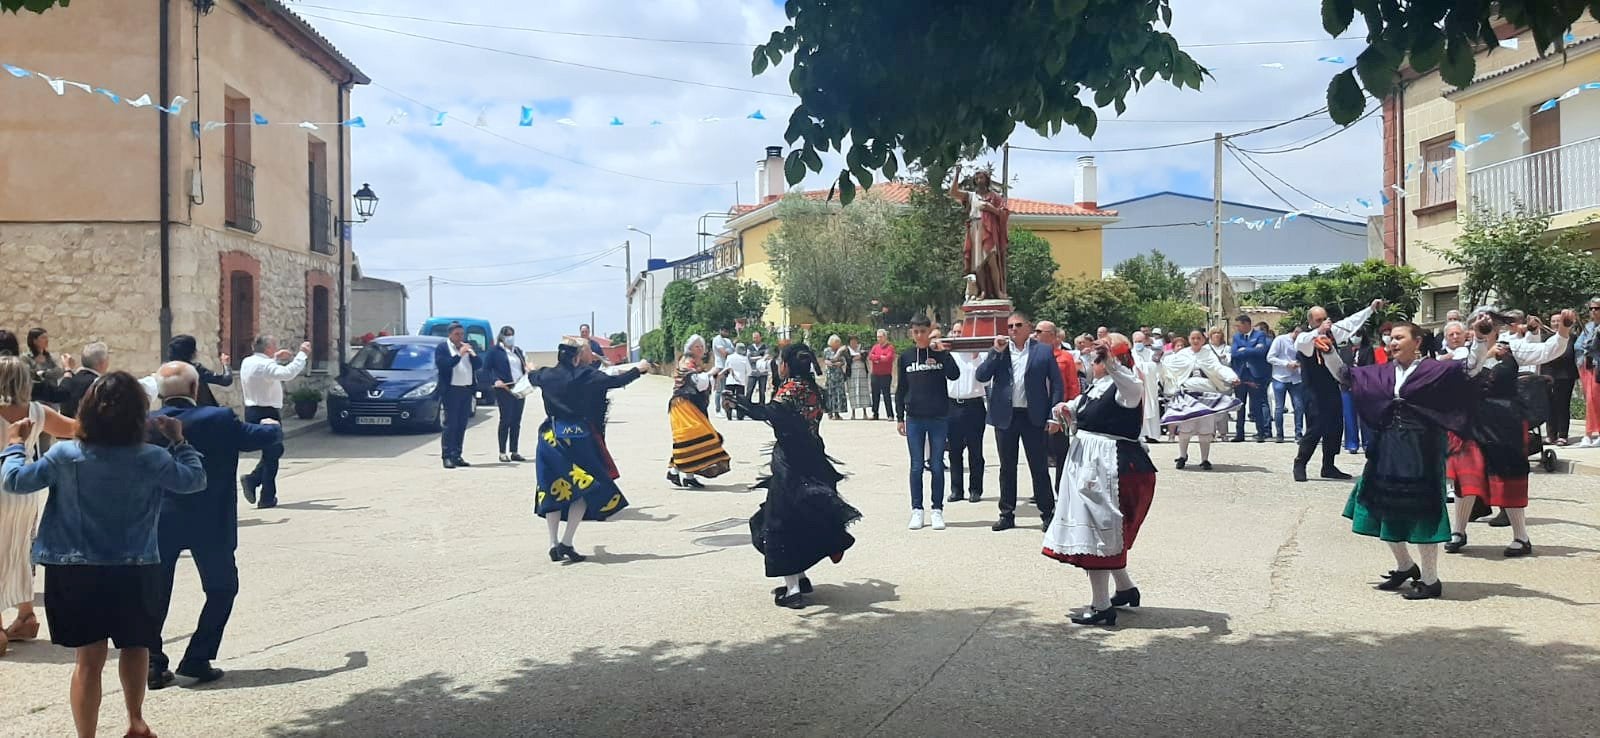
<point>88,604</point>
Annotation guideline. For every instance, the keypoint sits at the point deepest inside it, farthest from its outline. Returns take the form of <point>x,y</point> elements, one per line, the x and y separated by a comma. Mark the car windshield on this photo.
<point>394,356</point>
<point>475,335</point>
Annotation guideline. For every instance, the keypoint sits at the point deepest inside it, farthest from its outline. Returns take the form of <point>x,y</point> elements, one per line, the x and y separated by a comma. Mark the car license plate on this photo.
<point>374,421</point>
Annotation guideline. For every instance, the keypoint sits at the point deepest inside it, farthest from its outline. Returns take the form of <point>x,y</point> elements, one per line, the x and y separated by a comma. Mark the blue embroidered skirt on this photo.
<point>571,466</point>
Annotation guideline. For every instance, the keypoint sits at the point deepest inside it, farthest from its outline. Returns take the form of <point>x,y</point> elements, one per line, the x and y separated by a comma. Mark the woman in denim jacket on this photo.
<point>97,540</point>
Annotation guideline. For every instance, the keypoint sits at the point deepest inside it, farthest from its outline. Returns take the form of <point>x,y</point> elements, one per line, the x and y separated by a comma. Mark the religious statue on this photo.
<point>984,252</point>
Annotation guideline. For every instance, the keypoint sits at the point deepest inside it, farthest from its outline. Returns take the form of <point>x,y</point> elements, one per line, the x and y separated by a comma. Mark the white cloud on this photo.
<point>455,196</point>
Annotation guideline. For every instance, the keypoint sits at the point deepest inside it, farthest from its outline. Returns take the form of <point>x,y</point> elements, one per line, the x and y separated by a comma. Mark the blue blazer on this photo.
<point>1250,357</point>
<point>210,517</point>
<point>446,363</point>
<point>498,363</point>
<point>1042,384</point>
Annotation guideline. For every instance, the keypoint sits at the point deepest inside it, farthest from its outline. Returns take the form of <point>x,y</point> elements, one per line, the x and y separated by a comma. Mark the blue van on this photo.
<point>479,333</point>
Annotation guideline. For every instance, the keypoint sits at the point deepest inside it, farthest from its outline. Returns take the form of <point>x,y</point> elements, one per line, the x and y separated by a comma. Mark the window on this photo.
<point>241,315</point>
<point>319,328</point>
<point>399,357</point>
<point>239,183</point>
<point>1438,172</point>
<point>1443,301</point>
<point>320,207</point>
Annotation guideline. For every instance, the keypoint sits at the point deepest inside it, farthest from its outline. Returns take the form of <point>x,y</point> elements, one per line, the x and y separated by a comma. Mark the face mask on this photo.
<point>509,341</point>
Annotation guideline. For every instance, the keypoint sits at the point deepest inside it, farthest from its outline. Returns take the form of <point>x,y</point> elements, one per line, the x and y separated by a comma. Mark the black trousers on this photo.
<point>510,430</point>
<point>1324,425</point>
<point>882,387</point>
<point>219,578</point>
<point>738,390</point>
<point>1032,439</point>
<point>1055,447</point>
<point>758,389</point>
<point>457,411</point>
<point>265,475</point>
<point>1560,421</point>
<point>966,437</point>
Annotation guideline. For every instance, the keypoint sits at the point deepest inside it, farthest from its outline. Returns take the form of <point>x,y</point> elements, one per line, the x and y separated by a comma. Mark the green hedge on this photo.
<point>653,347</point>
<point>817,337</point>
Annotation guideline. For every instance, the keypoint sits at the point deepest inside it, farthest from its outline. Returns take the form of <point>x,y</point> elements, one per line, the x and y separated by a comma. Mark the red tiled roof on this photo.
<point>899,193</point>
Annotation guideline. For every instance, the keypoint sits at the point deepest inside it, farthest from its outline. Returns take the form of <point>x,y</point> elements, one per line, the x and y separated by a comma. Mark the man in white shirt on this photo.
<point>721,348</point>
<point>966,424</point>
<point>737,379</point>
<point>1286,380</point>
<point>261,378</point>
<point>458,388</point>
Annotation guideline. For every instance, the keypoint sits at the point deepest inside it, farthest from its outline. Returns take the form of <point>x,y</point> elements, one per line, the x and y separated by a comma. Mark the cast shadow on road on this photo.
<point>1003,671</point>
<point>1558,521</point>
<point>319,505</point>
<point>637,515</point>
<point>257,522</point>
<point>1493,551</point>
<point>384,444</point>
<point>247,678</point>
<point>602,556</point>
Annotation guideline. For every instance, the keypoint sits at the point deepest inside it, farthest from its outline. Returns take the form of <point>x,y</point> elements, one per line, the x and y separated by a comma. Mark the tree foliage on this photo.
<point>1170,315</point>
<point>724,301</point>
<point>929,79</point>
<point>828,259</point>
<point>1030,271</point>
<point>677,313</point>
<point>1153,276</point>
<point>1511,260</point>
<point>1346,289</point>
<point>922,262</point>
<point>1082,304</point>
<point>37,6</point>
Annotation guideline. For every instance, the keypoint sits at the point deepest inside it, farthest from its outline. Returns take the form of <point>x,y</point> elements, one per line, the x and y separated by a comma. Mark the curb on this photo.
<point>304,428</point>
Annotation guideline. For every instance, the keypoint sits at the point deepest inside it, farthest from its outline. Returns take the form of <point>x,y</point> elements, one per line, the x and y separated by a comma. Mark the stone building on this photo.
<point>126,224</point>
<point>377,306</point>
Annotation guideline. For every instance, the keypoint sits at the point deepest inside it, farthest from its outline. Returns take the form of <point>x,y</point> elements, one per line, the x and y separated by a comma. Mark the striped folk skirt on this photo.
<point>696,445</point>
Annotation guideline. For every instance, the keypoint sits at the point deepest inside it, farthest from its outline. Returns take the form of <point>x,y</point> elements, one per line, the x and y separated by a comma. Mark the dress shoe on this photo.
<point>1205,465</point>
<point>956,497</point>
<point>248,486</point>
<point>1261,439</point>
<point>1281,439</point>
<point>1500,521</point>
<point>805,588</point>
<point>1457,542</point>
<point>1396,578</point>
<point>571,554</point>
<point>674,479</point>
<point>1126,598</point>
<point>160,679</point>
<point>792,601</point>
<point>1300,472</point>
<point>461,462</point>
<point>975,497</point>
<point>1236,439</point>
<point>1004,523</point>
<point>1106,617</point>
<point>692,483</point>
<point>1518,548</point>
<point>1333,472</point>
<point>449,463</point>
<point>201,673</point>
<point>266,504</point>
<point>1420,591</point>
<point>517,457</point>
<point>555,552</point>
<point>1182,461</point>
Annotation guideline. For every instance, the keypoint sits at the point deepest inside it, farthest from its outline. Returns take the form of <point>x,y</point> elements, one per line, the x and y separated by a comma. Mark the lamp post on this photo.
<point>649,253</point>
<point>366,205</point>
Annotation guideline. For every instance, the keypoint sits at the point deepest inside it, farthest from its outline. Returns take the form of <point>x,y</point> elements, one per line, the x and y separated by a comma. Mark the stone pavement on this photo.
<point>390,597</point>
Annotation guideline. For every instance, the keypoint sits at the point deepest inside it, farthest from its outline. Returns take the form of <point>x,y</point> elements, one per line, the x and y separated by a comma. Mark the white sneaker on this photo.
<point>938,519</point>
<point>916,520</point>
<point>505,458</point>
<point>1587,442</point>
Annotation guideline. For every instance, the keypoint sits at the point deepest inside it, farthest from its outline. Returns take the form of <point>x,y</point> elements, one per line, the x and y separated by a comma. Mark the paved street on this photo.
<point>390,597</point>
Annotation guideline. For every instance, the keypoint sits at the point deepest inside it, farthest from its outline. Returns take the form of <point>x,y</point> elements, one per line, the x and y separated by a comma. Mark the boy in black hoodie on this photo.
<point>922,397</point>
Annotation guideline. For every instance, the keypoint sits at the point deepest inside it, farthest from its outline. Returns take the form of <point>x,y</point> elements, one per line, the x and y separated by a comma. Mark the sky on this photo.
<point>541,205</point>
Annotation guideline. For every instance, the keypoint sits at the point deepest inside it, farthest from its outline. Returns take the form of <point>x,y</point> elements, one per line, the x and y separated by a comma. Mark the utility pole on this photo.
<point>430,296</point>
<point>1005,170</point>
<point>627,297</point>
<point>1216,234</point>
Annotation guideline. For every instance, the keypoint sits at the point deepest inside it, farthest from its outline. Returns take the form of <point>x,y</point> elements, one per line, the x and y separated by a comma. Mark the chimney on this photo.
<point>1087,183</point>
<point>770,183</point>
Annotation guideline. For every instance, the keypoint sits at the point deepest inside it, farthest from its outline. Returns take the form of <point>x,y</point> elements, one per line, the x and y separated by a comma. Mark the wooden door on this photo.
<point>1544,169</point>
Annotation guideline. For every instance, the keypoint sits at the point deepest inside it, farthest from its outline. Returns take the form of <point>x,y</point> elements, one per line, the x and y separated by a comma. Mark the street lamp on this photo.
<point>366,205</point>
<point>649,253</point>
<point>366,202</point>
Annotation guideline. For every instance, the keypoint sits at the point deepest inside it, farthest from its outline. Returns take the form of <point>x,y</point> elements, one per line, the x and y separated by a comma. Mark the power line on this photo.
<point>1208,139</point>
<point>1239,158</point>
<point>549,60</point>
<point>535,277</point>
<point>1303,145</point>
<point>550,154</point>
<point>496,265</point>
<point>710,42</point>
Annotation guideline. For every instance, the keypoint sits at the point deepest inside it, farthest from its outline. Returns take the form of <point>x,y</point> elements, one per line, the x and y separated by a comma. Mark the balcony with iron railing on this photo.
<point>241,196</point>
<point>321,209</point>
<point>1564,179</point>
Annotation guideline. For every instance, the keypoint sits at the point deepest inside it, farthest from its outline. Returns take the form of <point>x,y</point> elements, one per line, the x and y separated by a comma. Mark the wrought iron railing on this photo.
<point>322,240</point>
<point>1564,179</point>
<point>242,196</point>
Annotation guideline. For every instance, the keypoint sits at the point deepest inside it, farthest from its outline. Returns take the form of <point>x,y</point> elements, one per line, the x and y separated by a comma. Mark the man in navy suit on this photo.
<point>1025,386</point>
<point>205,524</point>
<point>458,366</point>
<point>1250,347</point>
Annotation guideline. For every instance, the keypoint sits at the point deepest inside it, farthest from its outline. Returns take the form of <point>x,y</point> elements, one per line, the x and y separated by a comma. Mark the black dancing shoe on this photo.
<point>1300,473</point>
<point>1420,591</point>
<point>1106,617</point>
<point>571,554</point>
<point>1500,521</point>
<point>693,483</point>
<point>1126,598</point>
<point>1397,578</point>
<point>1004,523</point>
<point>1457,542</point>
<point>160,679</point>
<point>674,479</point>
<point>805,588</point>
<point>1182,461</point>
<point>1205,465</point>
<point>1332,472</point>
<point>555,552</point>
<point>1518,548</point>
<point>792,601</point>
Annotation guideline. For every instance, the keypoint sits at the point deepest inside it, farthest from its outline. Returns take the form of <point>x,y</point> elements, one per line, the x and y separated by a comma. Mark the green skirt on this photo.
<point>1367,523</point>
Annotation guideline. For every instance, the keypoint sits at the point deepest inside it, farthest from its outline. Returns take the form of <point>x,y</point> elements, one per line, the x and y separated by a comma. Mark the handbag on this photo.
<point>523,387</point>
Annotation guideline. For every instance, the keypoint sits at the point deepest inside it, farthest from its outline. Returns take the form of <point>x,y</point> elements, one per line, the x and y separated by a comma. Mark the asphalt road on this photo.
<point>390,597</point>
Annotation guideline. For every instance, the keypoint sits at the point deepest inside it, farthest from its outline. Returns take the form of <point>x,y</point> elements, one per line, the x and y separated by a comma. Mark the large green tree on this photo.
<point>1153,276</point>
<point>931,79</point>
<point>827,258</point>
<point>1345,289</point>
<point>1083,304</point>
<point>723,301</point>
<point>922,262</point>
<point>1030,271</point>
<point>1513,260</point>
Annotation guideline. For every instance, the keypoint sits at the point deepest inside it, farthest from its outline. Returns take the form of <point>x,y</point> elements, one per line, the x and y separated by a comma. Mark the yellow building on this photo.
<point>1520,147</point>
<point>1073,231</point>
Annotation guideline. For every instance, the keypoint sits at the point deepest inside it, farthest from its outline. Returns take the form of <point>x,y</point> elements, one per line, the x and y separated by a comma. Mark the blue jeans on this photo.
<point>1296,392</point>
<point>1356,433</point>
<point>926,439</point>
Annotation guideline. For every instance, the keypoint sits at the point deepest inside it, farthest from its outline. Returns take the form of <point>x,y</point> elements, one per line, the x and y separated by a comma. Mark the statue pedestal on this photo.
<point>982,321</point>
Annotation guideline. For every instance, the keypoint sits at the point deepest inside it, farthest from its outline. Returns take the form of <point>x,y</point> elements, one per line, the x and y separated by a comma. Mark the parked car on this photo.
<point>390,383</point>
<point>479,334</point>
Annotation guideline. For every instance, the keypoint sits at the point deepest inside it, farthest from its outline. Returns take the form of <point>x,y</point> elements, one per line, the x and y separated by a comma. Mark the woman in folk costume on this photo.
<point>696,445</point>
<point>804,520</point>
<point>1148,365</point>
<point>1220,348</point>
<point>1107,483</point>
<point>1409,403</point>
<point>577,480</point>
<point>1199,389</point>
<point>1489,460</point>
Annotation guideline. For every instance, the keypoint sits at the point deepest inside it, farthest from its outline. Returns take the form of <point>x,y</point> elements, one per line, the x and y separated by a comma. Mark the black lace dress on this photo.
<point>804,520</point>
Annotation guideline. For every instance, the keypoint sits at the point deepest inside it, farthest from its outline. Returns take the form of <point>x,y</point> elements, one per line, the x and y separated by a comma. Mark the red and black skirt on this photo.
<point>1499,485</point>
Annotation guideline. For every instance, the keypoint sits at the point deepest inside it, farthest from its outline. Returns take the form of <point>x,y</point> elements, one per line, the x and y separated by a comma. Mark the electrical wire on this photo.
<point>1157,147</point>
<point>534,277</point>
<point>1286,201</point>
<point>1303,146</point>
<point>496,265</point>
<point>550,60</point>
<point>1241,156</point>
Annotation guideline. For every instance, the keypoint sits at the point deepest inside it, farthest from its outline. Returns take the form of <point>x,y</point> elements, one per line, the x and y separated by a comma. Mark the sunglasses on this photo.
<point>1015,325</point>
